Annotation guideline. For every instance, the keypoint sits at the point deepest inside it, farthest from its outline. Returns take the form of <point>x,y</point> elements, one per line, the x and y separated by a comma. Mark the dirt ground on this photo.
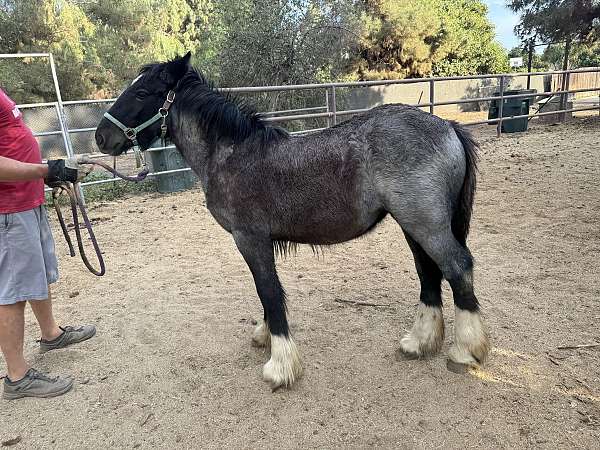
<point>172,364</point>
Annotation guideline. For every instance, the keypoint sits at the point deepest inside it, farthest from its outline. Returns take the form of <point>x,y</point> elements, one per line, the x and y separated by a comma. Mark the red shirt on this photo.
<point>17,142</point>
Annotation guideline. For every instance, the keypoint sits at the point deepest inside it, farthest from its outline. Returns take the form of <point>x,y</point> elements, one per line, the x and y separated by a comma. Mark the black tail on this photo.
<point>462,214</point>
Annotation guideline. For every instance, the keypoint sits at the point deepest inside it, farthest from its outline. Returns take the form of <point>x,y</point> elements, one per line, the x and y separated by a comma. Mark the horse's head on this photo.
<point>140,111</point>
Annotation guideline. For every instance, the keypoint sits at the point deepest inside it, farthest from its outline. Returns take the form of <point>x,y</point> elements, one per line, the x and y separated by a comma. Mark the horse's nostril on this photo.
<point>99,139</point>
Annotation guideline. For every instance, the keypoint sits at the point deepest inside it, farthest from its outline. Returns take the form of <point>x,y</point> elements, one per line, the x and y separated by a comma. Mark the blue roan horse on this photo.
<point>272,191</point>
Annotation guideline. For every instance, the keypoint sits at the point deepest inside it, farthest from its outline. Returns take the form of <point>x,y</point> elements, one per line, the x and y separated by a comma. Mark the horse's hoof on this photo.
<point>471,342</point>
<point>461,359</point>
<point>402,355</point>
<point>426,336</point>
<point>278,375</point>
<point>413,348</point>
<point>458,368</point>
<point>285,366</point>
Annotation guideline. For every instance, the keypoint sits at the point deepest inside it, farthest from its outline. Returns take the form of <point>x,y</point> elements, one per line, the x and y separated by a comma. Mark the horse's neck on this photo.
<point>188,138</point>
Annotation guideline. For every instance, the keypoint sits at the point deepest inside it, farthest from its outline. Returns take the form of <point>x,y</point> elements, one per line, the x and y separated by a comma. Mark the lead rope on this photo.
<point>77,206</point>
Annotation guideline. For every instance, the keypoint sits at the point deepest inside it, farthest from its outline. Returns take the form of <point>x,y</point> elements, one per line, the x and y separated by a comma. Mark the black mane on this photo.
<point>223,116</point>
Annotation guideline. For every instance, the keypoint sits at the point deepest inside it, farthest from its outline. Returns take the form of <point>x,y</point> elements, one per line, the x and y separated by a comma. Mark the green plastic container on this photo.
<point>170,159</point>
<point>512,107</point>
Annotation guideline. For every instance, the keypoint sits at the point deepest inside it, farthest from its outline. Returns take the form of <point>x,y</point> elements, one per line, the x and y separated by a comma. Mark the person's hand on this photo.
<point>61,170</point>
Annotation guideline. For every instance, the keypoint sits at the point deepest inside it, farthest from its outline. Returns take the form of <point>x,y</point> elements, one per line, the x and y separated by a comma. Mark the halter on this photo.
<point>131,133</point>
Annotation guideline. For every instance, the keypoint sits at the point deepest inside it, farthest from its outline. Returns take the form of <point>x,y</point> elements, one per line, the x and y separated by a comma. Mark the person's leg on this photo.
<point>24,276</point>
<point>45,317</point>
<point>12,330</point>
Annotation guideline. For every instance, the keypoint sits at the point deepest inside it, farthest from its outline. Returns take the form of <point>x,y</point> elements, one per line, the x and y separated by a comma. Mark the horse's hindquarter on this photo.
<point>418,161</point>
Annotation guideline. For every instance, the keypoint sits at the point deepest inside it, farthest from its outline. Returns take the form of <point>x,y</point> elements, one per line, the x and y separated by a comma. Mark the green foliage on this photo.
<point>284,41</point>
<point>91,39</point>
<point>582,54</point>
<point>556,20</point>
<point>99,45</point>
<point>61,28</point>
<point>415,38</point>
<point>399,39</point>
<point>278,42</point>
<point>143,31</point>
<point>470,46</point>
<point>586,56</point>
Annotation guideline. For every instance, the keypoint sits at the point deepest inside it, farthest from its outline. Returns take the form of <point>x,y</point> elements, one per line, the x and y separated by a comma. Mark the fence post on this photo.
<point>327,107</point>
<point>501,107</point>
<point>62,119</point>
<point>333,106</point>
<point>564,98</point>
<point>431,95</point>
<point>61,112</point>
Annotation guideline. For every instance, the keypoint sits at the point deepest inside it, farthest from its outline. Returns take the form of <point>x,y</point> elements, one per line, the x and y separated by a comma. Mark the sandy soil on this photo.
<point>172,364</point>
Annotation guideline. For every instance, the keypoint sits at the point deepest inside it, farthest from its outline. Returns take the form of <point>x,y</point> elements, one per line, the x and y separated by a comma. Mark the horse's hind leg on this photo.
<point>284,366</point>
<point>427,333</point>
<point>471,344</point>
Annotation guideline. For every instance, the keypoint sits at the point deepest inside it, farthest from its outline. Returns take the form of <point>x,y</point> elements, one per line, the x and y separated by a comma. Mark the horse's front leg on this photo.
<point>285,366</point>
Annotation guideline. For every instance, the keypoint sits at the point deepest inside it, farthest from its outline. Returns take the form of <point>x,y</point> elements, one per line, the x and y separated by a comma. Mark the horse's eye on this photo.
<point>141,95</point>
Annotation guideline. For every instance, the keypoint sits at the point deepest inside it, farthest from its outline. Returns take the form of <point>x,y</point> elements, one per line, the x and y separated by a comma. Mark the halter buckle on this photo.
<point>130,133</point>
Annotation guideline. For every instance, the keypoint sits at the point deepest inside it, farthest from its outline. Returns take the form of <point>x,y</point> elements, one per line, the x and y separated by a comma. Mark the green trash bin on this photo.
<point>512,107</point>
<point>170,159</point>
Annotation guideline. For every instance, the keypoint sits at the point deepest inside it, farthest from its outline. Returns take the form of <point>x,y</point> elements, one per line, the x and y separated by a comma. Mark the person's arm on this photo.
<point>12,170</point>
<point>53,172</point>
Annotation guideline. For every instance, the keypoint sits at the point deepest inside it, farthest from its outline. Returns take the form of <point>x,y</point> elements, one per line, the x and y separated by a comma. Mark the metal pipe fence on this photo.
<point>330,110</point>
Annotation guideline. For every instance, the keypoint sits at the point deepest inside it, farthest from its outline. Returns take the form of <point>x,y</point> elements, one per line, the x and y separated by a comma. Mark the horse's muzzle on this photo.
<point>110,140</point>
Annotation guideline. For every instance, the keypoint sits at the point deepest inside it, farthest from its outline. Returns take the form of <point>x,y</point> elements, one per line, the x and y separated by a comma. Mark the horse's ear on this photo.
<point>177,68</point>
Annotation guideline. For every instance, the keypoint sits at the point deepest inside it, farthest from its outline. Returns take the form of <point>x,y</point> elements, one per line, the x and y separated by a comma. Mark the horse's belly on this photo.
<point>327,227</point>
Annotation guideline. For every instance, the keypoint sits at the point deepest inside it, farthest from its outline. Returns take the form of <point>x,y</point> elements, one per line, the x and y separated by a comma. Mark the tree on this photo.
<point>61,28</point>
<point>99,45</point>
<point>279,42</point>
<point>582,54</point>
<point>399,39</point>
<point>470,45</point>
<point>557,20</point>
<point>416,38</point>
<point>284,41</point>
<point>141,31</point>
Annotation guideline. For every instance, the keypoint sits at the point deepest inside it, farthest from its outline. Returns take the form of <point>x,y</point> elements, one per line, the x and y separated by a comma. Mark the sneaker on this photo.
<point>69,336</point>
<point>36,384</point>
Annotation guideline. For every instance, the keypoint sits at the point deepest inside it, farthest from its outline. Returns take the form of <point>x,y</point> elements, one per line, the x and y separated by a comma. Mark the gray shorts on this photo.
<point>27,258</point>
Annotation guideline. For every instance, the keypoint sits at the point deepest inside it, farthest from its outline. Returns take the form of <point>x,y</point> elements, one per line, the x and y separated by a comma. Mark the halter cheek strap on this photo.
<point>131,133</point>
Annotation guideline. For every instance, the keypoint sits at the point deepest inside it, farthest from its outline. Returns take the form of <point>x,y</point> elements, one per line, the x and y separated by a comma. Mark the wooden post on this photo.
<point>565,80</point>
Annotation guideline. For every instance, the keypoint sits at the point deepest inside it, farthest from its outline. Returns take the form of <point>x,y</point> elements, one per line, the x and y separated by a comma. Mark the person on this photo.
<point>28,263</point>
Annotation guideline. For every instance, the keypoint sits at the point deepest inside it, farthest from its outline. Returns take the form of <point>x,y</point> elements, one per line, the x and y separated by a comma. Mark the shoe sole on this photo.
<point>70,343</point>
<point>18,395</point>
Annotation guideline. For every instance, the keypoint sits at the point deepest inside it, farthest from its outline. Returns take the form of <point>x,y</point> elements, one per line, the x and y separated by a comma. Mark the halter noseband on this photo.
<point>131,133</point>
